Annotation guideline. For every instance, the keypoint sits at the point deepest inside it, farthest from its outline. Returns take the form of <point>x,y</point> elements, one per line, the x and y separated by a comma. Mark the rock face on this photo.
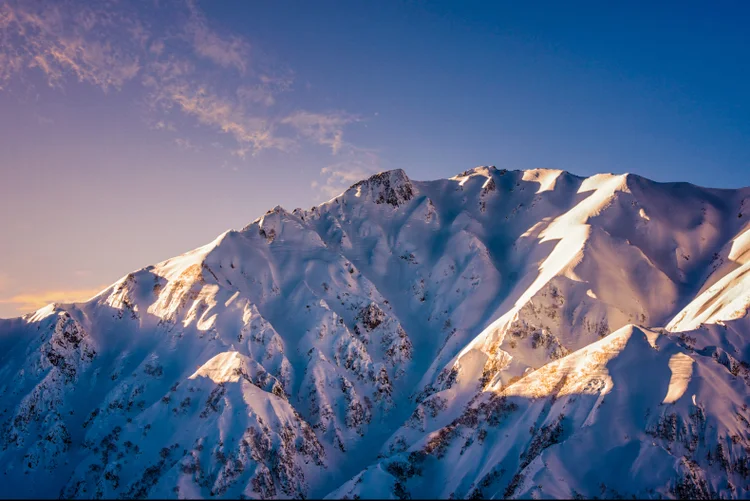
<point>391,187</point>
<point>511,333</point>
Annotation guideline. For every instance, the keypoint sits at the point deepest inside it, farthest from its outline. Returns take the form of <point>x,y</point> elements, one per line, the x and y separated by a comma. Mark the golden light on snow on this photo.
<point>740,251</point>
<point>547,178</point>
<point>681,366</point>
<point>222,368</point>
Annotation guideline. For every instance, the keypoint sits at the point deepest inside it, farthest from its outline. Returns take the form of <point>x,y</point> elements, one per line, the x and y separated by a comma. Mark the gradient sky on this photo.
<point>131,132</point>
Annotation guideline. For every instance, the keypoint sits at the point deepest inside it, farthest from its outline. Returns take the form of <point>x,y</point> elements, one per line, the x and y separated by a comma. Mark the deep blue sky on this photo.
<point>660,89</point>
<point>131,134</point>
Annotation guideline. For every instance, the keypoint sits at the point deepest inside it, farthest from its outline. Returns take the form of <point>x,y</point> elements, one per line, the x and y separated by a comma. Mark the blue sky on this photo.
<point>588,86</point>
<point>134,131</point>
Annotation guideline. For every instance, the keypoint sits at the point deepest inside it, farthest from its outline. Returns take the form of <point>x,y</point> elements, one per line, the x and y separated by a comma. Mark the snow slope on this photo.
<point>508,333</point>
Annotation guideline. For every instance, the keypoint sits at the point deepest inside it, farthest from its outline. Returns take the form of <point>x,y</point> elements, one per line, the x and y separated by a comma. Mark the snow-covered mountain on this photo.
<point>496,334</point>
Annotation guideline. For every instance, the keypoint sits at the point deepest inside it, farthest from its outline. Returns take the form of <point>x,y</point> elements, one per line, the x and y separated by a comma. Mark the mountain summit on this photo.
<point>500,333</point>
<point>391,187</point>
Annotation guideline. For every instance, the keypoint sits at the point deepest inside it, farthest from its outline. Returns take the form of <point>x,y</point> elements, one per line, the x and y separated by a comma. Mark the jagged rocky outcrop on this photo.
<point>391,187</point>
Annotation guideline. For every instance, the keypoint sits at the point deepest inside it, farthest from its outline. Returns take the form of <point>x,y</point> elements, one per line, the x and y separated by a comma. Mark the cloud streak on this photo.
<point>228,52</point>
<point>220,113</point>
<point>186,144</point>
<point>324,128</point>
<point>60,43</point>
<point>355,164</point>
<point>186,68</point>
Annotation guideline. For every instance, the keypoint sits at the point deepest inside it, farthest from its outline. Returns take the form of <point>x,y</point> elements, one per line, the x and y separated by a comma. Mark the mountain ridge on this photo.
<point>384,324</point>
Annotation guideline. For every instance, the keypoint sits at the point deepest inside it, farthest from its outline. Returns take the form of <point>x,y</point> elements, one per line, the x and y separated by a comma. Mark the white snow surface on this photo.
<point>498,334</point>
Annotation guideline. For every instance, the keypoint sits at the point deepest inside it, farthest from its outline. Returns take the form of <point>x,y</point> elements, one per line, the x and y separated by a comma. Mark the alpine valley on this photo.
<point>498,334</point>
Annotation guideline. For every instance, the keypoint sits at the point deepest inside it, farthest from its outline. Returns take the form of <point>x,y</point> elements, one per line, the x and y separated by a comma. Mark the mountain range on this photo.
<point>498,334</point>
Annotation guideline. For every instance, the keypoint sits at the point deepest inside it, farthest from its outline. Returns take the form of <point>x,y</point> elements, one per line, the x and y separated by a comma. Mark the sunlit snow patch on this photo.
<point>681,366</point>
<point>223,368</point>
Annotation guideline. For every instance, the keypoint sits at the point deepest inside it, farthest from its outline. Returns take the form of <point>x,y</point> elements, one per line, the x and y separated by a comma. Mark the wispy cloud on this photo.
<point>229,51</point>
<point>251,131</point>
<point>186,144</point>
<point>162,125</point>
<point>187,70</point>
<point>324,128</point>
<point>356,164</point>
<point>11,59</point>
<point>61,41</point>
<point>175,83</point>
<point>31,301</point>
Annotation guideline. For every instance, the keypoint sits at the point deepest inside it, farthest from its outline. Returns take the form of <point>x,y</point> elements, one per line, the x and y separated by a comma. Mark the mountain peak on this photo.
<point>391,187</point>
<point>484,170</point>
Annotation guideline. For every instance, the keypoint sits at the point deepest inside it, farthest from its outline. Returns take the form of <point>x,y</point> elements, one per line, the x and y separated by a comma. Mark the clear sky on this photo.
<point>131,132</point>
